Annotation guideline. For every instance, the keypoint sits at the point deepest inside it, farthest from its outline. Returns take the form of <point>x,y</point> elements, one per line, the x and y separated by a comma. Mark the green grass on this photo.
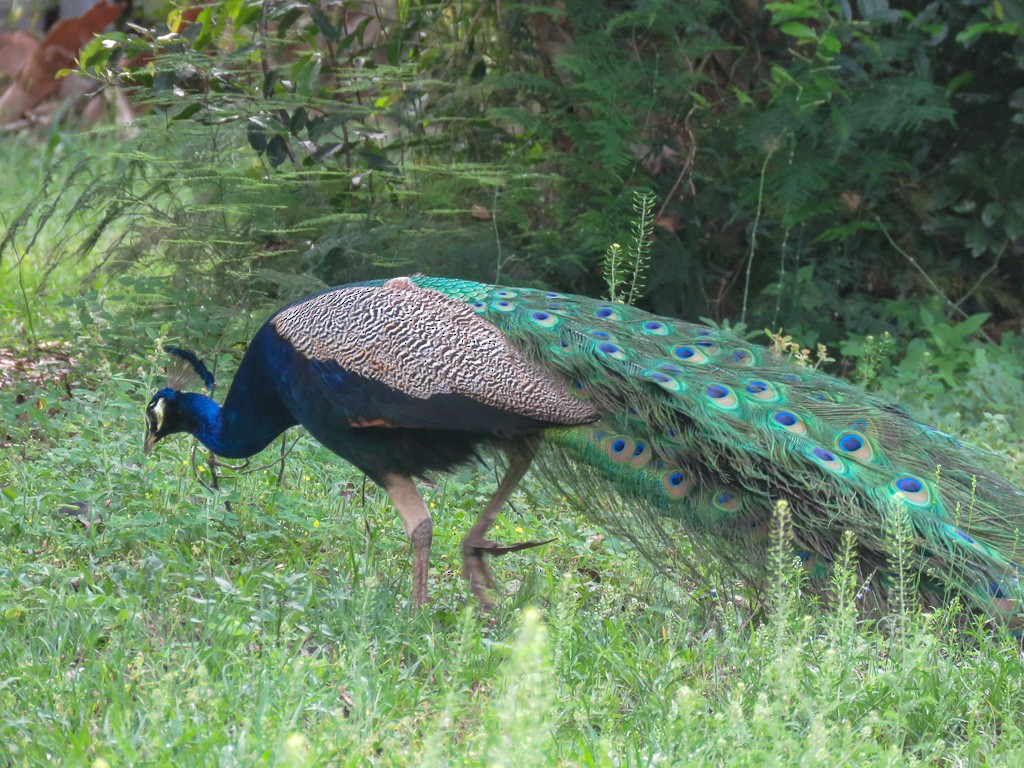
<point>175,630</point>
<point>268,624</point>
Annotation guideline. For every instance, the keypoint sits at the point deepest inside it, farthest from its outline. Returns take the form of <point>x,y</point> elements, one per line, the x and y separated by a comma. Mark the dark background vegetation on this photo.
<point>840,170</point>
<point>814,163</point>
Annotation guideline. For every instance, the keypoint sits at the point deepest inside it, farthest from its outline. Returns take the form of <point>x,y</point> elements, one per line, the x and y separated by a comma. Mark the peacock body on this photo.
<point>697,430</point>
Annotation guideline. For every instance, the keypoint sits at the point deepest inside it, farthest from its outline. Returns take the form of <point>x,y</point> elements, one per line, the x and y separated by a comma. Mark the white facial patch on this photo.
<point>158,411</point>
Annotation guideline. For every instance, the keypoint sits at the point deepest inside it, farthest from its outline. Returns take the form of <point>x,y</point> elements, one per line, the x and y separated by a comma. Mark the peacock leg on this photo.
<point>475,545</point>
<point>418,529</point>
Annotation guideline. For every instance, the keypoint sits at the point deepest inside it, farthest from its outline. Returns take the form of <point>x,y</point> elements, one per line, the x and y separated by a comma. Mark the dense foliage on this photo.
<point>814,164</point>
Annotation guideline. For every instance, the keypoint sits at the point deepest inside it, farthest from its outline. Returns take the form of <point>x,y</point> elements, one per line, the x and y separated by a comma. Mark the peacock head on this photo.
<point>164,416</point>
<point>169,410</point>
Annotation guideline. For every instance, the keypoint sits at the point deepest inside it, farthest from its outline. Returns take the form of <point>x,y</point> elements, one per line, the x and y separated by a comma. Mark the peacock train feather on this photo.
<point>700,432</point>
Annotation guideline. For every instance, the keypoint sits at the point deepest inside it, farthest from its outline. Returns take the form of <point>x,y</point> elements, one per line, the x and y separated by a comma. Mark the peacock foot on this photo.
<point>476,570</point>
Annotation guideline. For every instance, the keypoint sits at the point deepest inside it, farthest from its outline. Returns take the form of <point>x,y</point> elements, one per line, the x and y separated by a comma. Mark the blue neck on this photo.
<point>235,431</point>
<point>253,413</point>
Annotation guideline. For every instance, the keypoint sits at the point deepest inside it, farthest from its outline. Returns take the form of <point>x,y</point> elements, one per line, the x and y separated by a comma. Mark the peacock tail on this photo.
<point>705,432</point>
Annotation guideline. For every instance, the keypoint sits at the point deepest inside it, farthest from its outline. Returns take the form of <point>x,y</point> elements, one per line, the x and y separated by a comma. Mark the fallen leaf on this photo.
<point>36,78</point>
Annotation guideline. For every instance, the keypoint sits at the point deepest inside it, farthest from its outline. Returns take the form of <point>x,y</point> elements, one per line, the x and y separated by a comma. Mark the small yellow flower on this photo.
<point>305,478</point>
<point>316,523</point>
<point>519,530</point>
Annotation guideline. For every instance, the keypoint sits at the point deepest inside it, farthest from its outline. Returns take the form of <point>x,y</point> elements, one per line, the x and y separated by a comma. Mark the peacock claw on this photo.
<point>481,581</point>
<point>494,549</point>
<point>476,570</point>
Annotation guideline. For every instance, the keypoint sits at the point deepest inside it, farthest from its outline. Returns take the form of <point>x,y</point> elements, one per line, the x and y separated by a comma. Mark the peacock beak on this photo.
<point>150,441</point>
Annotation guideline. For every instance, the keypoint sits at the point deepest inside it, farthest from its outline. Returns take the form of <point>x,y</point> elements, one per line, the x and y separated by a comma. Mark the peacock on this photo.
<point>658,427</point>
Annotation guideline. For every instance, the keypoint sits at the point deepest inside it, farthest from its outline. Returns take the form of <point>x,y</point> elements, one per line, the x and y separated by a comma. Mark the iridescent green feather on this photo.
<point>704,432</point>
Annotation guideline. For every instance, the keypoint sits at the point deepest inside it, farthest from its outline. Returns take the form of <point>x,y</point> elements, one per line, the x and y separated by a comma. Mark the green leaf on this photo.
<point>990,213</point>
<point>972,324</point>
<point>188,111</point>
<point>277,151</point>
<point>741,97</point>
<point>305,74</point>
<point>798,30</point>
<point>248,14</point>
<point>94,55</point>
<point>977,238</point>
<point>327,29</point>
<point>958,82</point>
<point>830,44</point>
<point>987,27</point>
<point>783,12</point>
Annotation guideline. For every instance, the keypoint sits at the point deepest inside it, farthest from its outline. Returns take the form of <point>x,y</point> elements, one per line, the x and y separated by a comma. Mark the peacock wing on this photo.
<point>403,356</point>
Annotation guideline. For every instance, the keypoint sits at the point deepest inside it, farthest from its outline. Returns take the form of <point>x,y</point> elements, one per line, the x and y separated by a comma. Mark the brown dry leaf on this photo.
<point>35,79</point>
<point>851,200</point>
<point>15,49</point>
<point>69,35</point>
<point>347,703</point>
<point>49,362</point>
<point>480,213</point>
<point>667,222</point>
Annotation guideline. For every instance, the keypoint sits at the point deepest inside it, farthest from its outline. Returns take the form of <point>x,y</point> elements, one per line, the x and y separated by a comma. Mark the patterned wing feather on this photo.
<point>424,345</point>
